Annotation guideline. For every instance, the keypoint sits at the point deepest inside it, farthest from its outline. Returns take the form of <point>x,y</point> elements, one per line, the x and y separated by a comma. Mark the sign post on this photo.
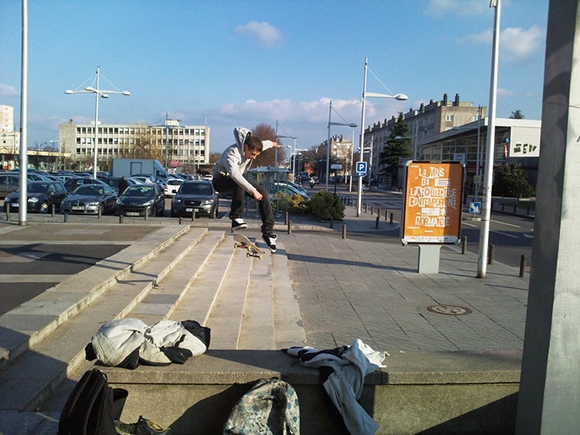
<point>361,171</point>
<point>432,209</point>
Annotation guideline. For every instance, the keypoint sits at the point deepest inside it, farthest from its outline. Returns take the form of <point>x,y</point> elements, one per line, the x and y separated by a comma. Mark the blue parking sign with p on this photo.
<point>361,169</point>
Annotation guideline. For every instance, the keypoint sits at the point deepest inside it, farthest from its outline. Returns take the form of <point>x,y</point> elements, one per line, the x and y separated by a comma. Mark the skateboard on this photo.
<point>242,241</point>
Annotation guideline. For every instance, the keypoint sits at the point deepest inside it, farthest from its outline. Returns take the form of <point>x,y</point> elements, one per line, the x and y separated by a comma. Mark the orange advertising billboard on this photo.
<point>432,202</point>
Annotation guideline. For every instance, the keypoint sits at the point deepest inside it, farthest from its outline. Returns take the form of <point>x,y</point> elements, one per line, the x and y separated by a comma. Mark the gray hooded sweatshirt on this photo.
<point>234,163</point>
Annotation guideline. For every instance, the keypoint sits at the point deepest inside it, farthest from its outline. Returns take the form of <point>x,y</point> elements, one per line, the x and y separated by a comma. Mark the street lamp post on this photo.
<point>365,95</point>
<point>283,137</point>
<point>351,125</point>
<point>98,93</point>
<point>490,151</point>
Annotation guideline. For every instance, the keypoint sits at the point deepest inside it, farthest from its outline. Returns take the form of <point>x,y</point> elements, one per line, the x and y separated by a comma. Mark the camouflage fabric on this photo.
<point>270,408</point>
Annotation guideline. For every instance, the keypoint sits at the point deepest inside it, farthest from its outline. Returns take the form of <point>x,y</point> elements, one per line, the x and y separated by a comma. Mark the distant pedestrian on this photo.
<point>228,176</point>
<point>123,184</point>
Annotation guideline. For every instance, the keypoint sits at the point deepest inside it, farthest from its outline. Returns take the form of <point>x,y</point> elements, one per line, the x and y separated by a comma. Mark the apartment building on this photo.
<point>424,123</point>
<point>182,148</point>
<point>9,139</point>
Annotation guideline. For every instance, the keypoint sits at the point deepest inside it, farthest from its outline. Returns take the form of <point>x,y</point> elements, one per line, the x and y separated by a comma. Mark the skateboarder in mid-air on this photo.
<point>228,176</point>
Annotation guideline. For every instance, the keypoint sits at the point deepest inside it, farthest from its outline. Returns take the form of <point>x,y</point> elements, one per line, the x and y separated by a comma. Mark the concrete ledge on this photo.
<point>440,392</point>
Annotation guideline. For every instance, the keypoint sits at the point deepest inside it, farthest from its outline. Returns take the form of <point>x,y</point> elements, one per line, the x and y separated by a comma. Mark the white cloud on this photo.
<point>505,92</point>
<point>261,32</point>
<point>519,45</point>
<point>440,8</point>
<point>516,45</point>
<point>7,91</point>
<point>307,120</point>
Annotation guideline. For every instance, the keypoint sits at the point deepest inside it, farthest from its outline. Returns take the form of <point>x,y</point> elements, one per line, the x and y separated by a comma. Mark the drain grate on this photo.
<point>449,310</point>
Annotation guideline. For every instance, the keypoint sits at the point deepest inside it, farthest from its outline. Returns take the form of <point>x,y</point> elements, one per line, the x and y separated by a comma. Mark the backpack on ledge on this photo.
<point>270,407</point>
<point>92,407</point>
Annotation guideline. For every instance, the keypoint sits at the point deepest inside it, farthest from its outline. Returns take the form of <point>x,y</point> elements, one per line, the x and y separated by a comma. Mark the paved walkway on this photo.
<point>366,286</point>
<point>362,283</point>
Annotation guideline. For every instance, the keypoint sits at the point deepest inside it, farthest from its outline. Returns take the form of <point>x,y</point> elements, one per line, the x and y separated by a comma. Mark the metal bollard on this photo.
<point>372,209</point>
<point>491,255</point>
<point>331,222</point>
<point>66,217</point>
<point>180,219</point>
<point>523,261</point>
<point>120,218</point>
<point>99,213</point>
<point>52,211</point>
<point>377,223</point>
<point>289,227</point>
<point>344,231</point>
<point>146,214</point>
<point>391,218</point>
<point>192,216</point>
<point>386,215</point>
<point>7,208</point>
<point>464,245</point>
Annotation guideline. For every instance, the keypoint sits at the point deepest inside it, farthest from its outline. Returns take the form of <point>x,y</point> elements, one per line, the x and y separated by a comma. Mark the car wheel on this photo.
<point>44,207</point>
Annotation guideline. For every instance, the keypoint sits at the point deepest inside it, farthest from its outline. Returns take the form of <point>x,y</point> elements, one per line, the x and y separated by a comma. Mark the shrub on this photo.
<point>510,181</point>
<point>325,205</point>
<point>282,202</point>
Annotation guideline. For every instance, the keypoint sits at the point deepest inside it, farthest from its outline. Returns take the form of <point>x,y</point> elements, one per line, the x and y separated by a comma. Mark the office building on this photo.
<point>181,148</point>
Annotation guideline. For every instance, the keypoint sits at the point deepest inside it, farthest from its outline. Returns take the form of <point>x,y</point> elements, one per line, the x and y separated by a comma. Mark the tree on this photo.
<point>396,148</point>
<point>267,132</point>
<point>510,181</point>
<point>517,114</point>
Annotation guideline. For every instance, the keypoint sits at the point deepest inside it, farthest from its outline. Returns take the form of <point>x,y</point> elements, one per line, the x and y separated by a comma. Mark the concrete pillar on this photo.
<point>550,382</point>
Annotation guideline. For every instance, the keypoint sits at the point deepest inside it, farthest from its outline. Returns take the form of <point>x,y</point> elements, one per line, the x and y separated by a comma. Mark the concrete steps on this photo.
<point>186,274</point>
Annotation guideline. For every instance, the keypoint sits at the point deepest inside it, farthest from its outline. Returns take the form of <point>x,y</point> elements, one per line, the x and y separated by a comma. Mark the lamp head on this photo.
<point>69,91</point>
<point>90,89</point>
<point>126,93</point>
<point>401,97</point>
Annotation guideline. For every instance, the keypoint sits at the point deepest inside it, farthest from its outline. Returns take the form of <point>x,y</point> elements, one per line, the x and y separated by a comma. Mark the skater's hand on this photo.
<point>257,195</point>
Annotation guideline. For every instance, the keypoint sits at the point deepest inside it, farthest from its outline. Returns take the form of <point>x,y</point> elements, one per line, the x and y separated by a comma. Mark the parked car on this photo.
<point>289,190</point>
<point>8,184</point>
<point>72,183</point>
<point>195,196</point>
<point>90,199</point>
<point>141,200</point>
<point>41,196</point>
<point>114,182</point>
<point>172,186</point>
<point>141,179</point>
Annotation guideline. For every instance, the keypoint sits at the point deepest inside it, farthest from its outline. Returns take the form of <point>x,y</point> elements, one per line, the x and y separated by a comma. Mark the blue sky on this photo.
<point>243,63</point>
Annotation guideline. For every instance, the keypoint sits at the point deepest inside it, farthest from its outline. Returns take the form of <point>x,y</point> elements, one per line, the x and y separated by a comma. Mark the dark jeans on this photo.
<point>225,184</point>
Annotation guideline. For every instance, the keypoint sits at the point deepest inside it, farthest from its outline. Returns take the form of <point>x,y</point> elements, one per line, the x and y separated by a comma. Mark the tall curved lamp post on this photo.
<point>351,125</point>
<point>365,95</point>
<point>98,93</point>
<point>276,149</point>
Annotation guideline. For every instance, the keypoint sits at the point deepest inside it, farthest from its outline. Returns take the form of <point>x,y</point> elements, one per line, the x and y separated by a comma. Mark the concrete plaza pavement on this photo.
<point>354,279</point>
<point>363,283</point>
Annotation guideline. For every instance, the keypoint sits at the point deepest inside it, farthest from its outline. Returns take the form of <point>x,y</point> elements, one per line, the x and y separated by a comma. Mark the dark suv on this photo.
<point>195,196</point>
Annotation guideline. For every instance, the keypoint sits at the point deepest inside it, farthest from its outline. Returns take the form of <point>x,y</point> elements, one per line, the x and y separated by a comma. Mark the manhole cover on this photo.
<point>450,310</point>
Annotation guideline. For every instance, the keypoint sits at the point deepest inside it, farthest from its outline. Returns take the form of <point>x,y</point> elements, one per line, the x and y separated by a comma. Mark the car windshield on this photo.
<point>38,187</point>
<point>139,191</point>
<point>196,189</point>
<point>89,189</point>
